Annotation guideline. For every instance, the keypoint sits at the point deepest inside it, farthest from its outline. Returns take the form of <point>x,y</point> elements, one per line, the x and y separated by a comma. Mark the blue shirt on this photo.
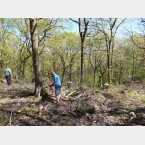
<point>57,81</point>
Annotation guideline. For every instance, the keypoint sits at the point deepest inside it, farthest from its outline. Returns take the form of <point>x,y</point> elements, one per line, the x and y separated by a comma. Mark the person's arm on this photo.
<point>51,85</point>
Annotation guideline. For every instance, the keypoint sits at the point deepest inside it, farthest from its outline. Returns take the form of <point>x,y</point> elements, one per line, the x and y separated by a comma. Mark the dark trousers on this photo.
<point>8,79</point>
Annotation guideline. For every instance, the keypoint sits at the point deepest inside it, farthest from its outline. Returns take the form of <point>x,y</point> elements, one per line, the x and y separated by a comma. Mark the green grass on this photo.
<point>86,108</point>
<point>143,99</point>
<point>123,117</point>
<point>2,123</point>
<point>67,122</point>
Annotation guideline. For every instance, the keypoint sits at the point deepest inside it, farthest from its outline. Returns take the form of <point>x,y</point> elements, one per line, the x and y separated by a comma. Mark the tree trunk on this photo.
<point>63,73</point>
<point>36,57</point>
<point>133,66</point>
<point>120,76</point>
<point>94,78</point>
<point>108,66</point>
<point>82,36</point>
<point>70,73</point>
<point>100,81</point>
<point>82,64</point>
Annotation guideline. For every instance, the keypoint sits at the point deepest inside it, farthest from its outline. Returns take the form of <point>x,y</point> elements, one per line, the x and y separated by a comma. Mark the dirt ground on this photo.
<point>119,106</point>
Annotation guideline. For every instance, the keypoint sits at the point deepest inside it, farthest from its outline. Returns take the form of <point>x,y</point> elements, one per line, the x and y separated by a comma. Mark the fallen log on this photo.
<point>29,115</point>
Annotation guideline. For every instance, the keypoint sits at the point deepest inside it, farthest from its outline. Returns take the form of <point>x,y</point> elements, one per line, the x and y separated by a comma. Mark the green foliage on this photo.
<point>85,108</point>
<point>28,109</point>
<point>89,80</point>
<point>60,50</point>
<point>33,106</point>
<point>25,109</point>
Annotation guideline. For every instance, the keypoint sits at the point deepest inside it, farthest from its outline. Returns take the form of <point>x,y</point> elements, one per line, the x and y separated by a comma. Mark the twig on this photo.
<point>78,96</point>
<point>11,119</point>
<point>70,93</point>
<point>68,100</point>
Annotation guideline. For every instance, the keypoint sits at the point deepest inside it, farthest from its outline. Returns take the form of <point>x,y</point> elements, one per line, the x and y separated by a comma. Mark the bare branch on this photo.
<point>73,20</point>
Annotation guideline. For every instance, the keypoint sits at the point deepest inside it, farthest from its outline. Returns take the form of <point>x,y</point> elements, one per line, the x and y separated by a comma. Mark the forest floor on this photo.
<point>119,106</point>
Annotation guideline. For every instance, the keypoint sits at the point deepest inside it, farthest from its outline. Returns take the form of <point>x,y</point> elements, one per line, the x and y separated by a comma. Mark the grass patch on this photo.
<point>123,117</point>
<point>67,122</point>
<point>86,108</point>
<point>2,123</point>
<point>143,99</point>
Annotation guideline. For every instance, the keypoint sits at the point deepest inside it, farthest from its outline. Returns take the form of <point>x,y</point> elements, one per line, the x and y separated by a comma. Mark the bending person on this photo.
<point>57,84</point>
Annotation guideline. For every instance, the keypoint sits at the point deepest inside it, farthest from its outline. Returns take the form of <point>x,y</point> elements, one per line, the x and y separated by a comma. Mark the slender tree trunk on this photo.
<point>82,36</point>
<point>70,73</point>
<point>133,66</point>
<point>101,81</point>
<point>108,66</point>
<point>111,57</point>
<point>23,71</point>
<point>82,64</point>
<point>94,78</point>
<point>120,74</point>
<point>63,73</point>
<point>36,57</point>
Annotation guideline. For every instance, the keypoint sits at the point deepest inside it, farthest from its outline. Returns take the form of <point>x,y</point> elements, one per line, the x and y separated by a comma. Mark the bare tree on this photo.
<point>83,27</point>
<point>108,27</point>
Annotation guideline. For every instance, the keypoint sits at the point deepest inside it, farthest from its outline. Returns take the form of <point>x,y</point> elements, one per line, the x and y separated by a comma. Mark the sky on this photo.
<point>129,24</point>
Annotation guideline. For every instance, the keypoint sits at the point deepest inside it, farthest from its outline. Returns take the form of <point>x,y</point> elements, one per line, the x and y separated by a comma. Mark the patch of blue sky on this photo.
<point>130,24</point>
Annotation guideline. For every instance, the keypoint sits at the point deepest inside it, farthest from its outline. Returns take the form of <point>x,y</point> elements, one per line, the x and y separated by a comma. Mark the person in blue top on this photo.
<point>57,84</point>
<point>8,75</point>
